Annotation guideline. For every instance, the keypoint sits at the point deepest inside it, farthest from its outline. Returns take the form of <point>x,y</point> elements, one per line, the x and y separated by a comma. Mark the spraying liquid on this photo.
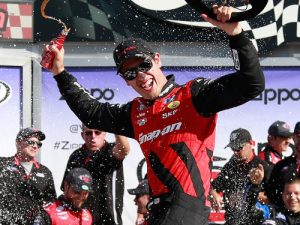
<point>48,56</point>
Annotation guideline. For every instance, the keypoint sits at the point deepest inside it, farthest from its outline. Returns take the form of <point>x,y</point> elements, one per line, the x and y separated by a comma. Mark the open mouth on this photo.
<point>148,84</point>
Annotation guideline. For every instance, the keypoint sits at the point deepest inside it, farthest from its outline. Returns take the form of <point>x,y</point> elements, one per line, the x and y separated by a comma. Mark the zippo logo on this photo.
<point>5,92</point>
<point>3,19</point>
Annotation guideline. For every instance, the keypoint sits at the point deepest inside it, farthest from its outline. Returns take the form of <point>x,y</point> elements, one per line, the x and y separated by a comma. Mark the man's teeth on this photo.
<point>148,84</point>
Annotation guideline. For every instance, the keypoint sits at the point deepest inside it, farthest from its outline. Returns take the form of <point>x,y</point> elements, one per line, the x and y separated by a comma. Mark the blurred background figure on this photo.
<point>279,137</point>
<point>289,214</point>
<point>104,161</point>
<point>25,184</point>
<point>241,181</point>
<point>141,199</point>
<point>68,208</point>
<point>284,171</point>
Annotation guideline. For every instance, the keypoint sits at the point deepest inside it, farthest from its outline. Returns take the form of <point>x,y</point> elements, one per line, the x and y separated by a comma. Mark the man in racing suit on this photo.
<point>174,125</point>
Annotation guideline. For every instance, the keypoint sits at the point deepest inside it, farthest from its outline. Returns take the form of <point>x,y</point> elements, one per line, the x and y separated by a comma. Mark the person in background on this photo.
<point>284,171</point>
<point>174,124</point>
<point>289,214</point>
<point>279,137</point>
<point>142,196</point>
<point>241,180</point>
<point>68,208</point>
<point>25,184</point>
<point>104,161</point>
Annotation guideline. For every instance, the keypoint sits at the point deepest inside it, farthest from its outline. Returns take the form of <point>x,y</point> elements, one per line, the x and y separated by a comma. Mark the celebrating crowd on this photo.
<point>175,126</point>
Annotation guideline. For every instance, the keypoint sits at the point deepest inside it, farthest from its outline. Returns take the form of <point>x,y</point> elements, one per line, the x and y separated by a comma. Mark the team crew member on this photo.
<point>68,208</point>
<point>142,197</point>
<point>25,184</point>
<point>289,214</point>
<point>104,161</point>
<point>241,181</point>
<point>279,137</point>
<point>174,124</point>
<point>284,171</point>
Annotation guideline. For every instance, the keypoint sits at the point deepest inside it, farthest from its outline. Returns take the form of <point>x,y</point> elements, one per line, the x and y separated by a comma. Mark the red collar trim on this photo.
<point>18,162</point>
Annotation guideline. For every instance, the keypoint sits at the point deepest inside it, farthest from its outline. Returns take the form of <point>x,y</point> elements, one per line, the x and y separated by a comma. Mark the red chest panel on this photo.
<point>168,126</point>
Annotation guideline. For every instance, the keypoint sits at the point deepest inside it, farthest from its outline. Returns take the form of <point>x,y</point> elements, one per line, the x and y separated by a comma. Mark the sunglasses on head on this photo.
<point>90,132</point>
<point>33,143</point>
<point>145,66</point>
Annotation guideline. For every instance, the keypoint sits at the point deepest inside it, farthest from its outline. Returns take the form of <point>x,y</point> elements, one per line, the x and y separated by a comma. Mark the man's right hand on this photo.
<point>216,200</point>
<point>223,15</point>
<point>58,61</point>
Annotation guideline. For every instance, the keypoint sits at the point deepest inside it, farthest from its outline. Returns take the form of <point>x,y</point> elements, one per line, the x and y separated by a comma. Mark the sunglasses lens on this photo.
<point>143,67</point>
<point>33,143</point>
<point>129,75</point>
<point>90,133</point>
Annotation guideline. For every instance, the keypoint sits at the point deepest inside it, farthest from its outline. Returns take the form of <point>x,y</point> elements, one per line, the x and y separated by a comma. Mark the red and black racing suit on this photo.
<point>176,131</point>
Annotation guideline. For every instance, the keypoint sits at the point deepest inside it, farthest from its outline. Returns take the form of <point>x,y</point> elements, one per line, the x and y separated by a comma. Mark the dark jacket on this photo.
<point>23,195</point>
<point>240,195</point>
<point>285,170</point>
<point>284,218</point>
<point>106,201</point>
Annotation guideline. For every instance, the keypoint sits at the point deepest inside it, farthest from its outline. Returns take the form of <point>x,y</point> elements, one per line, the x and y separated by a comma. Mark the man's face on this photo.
<point>149,83</point>
<point>76,198</point>
<point>291,197</point>
<point>28,148</point>
<point>93,139</point>
<point>141,201</point>
<point>244,153</point>
<point>280,144</point>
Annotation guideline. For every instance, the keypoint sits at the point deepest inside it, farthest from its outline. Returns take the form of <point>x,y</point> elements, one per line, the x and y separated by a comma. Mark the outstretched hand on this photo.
<point>223,15</point>
<point>58,61</point>
<point>257,174</point>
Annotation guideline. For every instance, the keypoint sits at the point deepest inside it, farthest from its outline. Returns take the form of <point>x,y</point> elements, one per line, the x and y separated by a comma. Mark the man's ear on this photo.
<point>252,142</point>
<point>156,58</point>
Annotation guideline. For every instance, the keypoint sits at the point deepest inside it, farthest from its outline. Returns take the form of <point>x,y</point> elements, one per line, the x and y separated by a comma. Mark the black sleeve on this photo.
<point>221,182</point>
<point>275,185</point>
<point>101,116</point>
<point>70,165</point>
<point>49,193</point>
<point>211,96</point>
<point>42,219</point>
<point>108,160</point>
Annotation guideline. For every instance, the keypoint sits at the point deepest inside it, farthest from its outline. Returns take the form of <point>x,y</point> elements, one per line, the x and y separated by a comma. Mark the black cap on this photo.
<point>80,179</point>
<point>280,129</point>
<point>238,138</point>
<point>297,128</point>
<point>30,132</point>
<point>141,189</point>
<point>131,48</point>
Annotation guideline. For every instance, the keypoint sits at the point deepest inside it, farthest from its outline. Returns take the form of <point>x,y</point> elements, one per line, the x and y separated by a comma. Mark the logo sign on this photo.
<point>5,92</point>
<point>3,20</point>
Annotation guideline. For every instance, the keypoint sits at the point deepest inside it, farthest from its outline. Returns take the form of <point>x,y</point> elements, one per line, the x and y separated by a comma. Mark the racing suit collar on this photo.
<point>169,86</point>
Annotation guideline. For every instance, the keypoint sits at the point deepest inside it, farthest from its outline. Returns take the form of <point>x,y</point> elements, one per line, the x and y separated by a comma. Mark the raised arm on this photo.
<point>211,96</point>
<point>122,147</point>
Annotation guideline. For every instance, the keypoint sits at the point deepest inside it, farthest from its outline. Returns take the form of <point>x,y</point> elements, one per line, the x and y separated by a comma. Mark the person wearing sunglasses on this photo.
<point>104,160</point>
<point>174,124</point>
<point>25,183</point>
<point>241,180</point>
